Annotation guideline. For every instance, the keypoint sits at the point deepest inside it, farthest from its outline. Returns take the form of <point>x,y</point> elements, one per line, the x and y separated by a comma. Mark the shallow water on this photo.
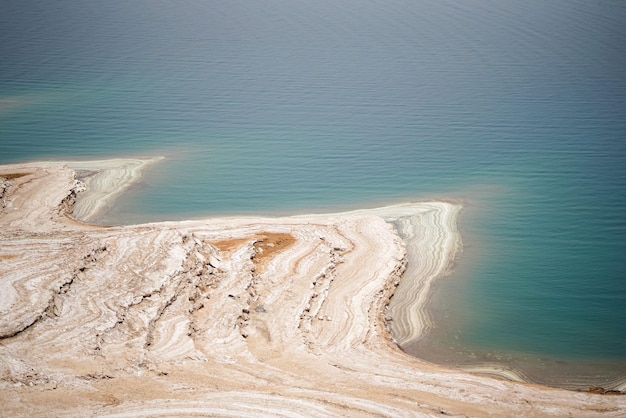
<point>516,108</point>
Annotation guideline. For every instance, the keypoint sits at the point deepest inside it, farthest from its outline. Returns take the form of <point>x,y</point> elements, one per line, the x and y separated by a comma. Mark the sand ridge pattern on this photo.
<point>224,317</point>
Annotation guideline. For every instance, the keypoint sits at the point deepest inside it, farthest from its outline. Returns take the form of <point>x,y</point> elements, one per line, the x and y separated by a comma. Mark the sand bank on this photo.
<point>246,316</point>
<point>432,242</point>
<point>105,181</point>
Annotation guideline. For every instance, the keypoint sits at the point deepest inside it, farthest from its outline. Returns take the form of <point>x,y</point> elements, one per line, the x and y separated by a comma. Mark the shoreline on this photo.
<point>301,302</point>
<point>105,181</point>
<point>422,225</point>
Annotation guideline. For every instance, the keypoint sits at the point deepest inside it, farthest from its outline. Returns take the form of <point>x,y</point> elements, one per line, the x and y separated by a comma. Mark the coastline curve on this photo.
<point>248,316</point>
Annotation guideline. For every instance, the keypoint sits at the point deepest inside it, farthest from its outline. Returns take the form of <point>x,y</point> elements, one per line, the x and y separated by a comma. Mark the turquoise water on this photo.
<point>516,108</point>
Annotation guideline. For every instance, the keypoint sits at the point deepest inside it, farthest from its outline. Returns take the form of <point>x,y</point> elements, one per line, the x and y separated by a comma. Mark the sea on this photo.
<point>516,109</point>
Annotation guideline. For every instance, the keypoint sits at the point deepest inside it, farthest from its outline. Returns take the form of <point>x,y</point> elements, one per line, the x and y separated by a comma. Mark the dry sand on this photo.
<point>229,317</point>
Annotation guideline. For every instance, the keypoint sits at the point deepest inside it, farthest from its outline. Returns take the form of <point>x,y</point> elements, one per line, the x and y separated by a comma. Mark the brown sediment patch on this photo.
<point>228,246</point>
<point>268,246</point>
<point>7,256</point>
<point>12,176</point>
<point>602,391</point>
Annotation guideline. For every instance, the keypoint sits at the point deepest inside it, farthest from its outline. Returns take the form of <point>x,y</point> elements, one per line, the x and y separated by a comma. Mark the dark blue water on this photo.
<point>516,108</point>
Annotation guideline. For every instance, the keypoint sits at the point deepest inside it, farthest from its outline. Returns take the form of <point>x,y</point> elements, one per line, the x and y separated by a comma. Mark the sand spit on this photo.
<point>105,181</point>
<point>222,317</point>
<point>432,242</point>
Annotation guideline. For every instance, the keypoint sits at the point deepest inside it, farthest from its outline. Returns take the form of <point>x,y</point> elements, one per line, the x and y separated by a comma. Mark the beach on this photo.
<point>246,316</point>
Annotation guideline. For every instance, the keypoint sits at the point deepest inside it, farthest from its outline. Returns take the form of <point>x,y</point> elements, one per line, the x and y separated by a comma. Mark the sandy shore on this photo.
<point>228,317</point>
<point>105,181</point>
